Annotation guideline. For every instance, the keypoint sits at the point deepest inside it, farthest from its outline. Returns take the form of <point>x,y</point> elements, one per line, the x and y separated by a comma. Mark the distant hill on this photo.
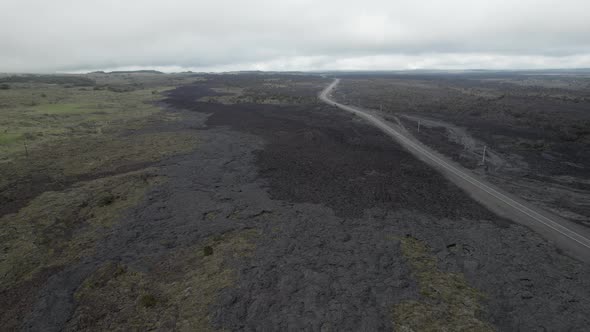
<point>135,72</point>
<point>75,80</point>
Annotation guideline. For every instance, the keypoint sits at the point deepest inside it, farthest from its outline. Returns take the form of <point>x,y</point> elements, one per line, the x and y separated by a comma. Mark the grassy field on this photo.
<point>60,130</point>
<point>447,301</point>
<point>72,159</point>
<point>57,228</point>
<point>43,113</point>
<point>178,294</point>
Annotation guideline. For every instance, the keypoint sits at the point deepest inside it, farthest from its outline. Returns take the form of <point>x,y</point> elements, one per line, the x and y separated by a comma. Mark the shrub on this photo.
<point>120,88</point>
<point>147,300</point>
<point>4,86</point>
<point>106,199</point>
<point>208,251</point>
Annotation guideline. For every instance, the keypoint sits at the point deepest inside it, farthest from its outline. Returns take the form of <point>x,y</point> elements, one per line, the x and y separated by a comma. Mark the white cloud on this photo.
<point>68,35</point>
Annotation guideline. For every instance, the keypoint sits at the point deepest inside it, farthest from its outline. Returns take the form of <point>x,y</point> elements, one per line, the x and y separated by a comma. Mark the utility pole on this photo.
<point>483,158</point>
<point>419,125</point>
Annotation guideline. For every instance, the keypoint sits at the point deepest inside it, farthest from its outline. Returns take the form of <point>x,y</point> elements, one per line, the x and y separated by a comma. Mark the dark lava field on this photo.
<point>278,213</point>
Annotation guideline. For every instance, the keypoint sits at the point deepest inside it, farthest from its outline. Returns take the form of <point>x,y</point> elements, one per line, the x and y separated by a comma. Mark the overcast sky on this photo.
<point>220,35</point>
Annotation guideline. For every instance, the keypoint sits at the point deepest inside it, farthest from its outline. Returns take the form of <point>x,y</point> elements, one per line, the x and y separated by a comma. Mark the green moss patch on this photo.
<point>109,153</point>
<point>47,113</point>
<point>447,302</point>
<point>57,228</point>
<point>58,108</point>
<point>175,295</point>
<point>9,138</point>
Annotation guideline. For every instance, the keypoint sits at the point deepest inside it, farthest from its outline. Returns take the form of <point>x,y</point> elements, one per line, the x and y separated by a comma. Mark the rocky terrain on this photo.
<point>535,127</point>
<point>273,212</point>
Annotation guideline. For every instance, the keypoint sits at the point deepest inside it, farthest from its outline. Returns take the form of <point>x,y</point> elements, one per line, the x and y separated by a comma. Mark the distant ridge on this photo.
<point>439,73</point>
<point>128,72</point>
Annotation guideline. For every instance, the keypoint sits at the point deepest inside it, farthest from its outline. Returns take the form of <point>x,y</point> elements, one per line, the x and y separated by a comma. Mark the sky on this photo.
<point>227,35</point>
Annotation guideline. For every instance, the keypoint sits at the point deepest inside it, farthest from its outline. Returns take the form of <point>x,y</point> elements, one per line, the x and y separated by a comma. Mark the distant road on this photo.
<point>572,238</point>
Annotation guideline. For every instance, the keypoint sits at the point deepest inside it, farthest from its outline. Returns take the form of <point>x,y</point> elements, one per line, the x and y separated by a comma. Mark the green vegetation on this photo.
<point>57,228</point>
<point>76,80</point>
<point>73,160</point>
<point>260,89</point>
<point>448,303</point>
<point>75,133</point>
<point>62,108</point>
<point>69,113</point>
<point>147,300</point>
<point>108,153</point>
<point>106,199</point>
<point>175,295</point>
<point>6,138</point>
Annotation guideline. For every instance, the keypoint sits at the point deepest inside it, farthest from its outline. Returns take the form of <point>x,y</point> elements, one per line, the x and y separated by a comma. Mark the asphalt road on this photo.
<point>571,238</point>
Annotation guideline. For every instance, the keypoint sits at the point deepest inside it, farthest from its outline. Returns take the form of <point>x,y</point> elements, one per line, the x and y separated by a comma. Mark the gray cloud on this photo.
<point>72,35</point>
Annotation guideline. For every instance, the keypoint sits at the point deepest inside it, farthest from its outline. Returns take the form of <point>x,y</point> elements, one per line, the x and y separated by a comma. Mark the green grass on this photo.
<point>78,132</point>
<point>447,301</point>
<point>68,113</point>
<point>72,135</point>
<point>39,235</point>
<point>106,153</point>
<point>181,289</point>
<point>148,300</point>
<point>58,108</point>
<point>9,138</point>
<point>78,108</point>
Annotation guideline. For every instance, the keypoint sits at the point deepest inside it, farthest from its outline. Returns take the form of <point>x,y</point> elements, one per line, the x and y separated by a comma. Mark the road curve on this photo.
<point>568,236</point>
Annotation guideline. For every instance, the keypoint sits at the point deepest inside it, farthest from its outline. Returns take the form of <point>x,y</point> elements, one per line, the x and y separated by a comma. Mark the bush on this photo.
<point>147,300</point>
<point>208,251</point>
<point>106,199</point>
<point>120,88</point>
<point>4,86</point>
